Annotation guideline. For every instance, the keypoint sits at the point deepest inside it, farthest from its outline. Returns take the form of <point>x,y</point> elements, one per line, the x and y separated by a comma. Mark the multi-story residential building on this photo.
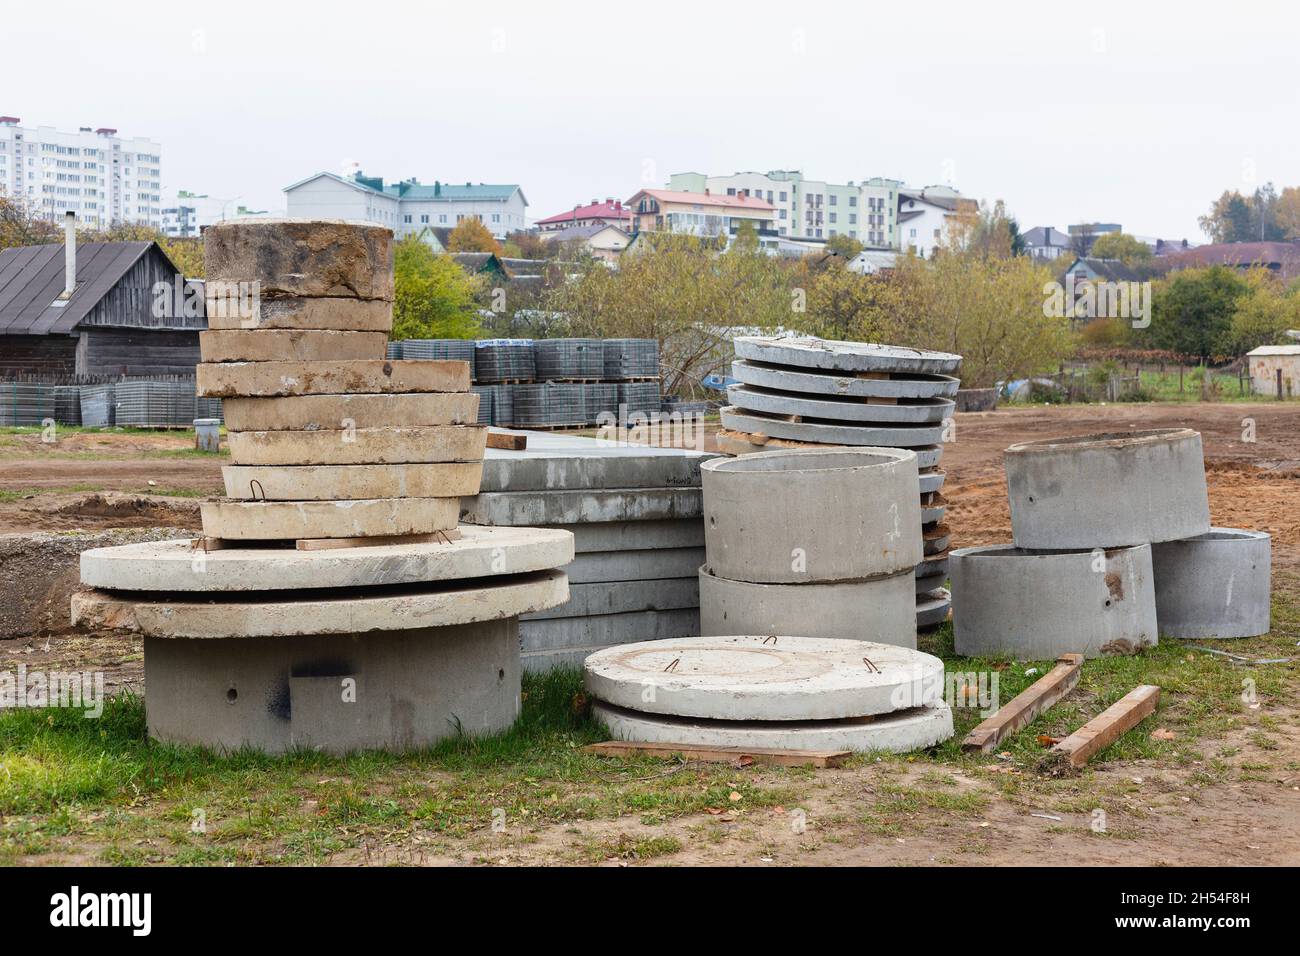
<point>924,217</point>
<point>701,214</point>
<point>104,178</point>
<point>814,209</point>
<point>611,212</point>
<point>188,214</point>
<point>408,207</point>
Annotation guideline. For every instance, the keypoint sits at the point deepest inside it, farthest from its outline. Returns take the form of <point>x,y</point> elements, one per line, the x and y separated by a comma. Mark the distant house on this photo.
<point>602,241</point>
<point>1085,269</point>
<point>1282,258</point>
<point>1084,234</point>
<point>408,207</point>
<point>923,217</point>
<point>108,326</point>
<point>1270,363</point>
<point>1047,243</point>
<point>701,214</point>
<point>872,261</point>
<point>611,212</point>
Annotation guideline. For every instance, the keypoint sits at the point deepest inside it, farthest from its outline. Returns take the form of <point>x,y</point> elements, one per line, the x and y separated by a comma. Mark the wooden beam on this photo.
<point>731,755</point>
<point>1108,726</point>
<point>508,442</point>
<point>1021,710</point>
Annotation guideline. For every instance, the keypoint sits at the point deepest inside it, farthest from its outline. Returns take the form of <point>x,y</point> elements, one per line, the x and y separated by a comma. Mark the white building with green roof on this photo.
<point>410,206</point>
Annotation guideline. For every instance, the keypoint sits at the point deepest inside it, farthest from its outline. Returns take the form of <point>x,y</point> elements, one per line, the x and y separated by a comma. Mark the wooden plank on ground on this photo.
<point>508,442</point>
<point>1021,710</point>
<point>762,755</point>
<point>1108,726</point>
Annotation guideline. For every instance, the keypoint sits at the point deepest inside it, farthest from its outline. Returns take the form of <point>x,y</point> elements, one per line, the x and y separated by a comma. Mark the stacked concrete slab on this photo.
<point>809,392</point>
<point>817,542</point>
<point>333,602</point>
<point>1113,546</point>
<point>795,693</point>
<point>635,515</point>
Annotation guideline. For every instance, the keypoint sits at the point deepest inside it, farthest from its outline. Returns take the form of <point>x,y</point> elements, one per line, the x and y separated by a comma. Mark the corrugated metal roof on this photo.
<point>1276,350</point>
<point>31,281</point>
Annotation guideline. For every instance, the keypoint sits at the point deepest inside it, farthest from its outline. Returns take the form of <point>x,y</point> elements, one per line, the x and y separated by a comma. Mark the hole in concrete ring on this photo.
<point>1108,603</point>
<point>501,674</point>
<point>713,522</point>
<point>232,695</point>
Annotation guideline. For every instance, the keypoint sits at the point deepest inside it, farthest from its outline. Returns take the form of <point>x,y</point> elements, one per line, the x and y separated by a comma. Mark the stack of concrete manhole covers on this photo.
<point>1113,546</point>
<point>333,602</point>
<point>635,515</point>
<point>794,693</point>
<point>809,392</point>
<point>816,542</point>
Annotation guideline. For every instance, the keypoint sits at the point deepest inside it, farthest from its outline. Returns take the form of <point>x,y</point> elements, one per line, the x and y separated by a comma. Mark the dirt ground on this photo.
<point>1239,803</point>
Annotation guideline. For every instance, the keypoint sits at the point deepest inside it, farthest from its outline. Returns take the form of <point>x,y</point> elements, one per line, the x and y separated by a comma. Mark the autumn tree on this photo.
<point>470,235</point>
<point>530,245</point>
<point>1262,315</point>
<point>433,297</point>
<point>1288,212</point>
<point>20,227</point>
<point>843,245</point>
<point>1259,216</point>
<point>1192,311</point>
<point>1119,245</point>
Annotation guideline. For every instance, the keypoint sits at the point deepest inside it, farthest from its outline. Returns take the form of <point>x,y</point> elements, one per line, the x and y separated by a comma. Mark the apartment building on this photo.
<point>810,208</point>
<point>408,207</point>
<point>104,178</point>
<point>187,214</point>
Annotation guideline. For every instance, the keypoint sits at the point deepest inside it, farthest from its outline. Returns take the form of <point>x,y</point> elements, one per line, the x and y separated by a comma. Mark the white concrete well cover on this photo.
<point>764,678</point>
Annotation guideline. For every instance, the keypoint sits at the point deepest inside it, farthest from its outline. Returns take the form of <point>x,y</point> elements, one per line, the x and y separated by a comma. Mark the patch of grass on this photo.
<point>634,848</point>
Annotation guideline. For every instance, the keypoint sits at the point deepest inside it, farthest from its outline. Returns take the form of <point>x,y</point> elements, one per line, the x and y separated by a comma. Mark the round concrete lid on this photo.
<point>813,382</point>
<point>833,433</point>
<point>764,678</point>
<point>844,356</point>
<point>177,566</point>
<point>894,733</point>
<point>834,408</point>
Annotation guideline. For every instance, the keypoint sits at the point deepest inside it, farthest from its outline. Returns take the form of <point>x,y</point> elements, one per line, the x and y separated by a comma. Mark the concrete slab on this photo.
<point>581,507</point>
<point>1218,584</point>
<point>350,482</point>
<point>385,445</point>
<point>233,379</point>
<point>561,635</point>
<point>301,257</point>
<point>598,466</point>
<point>237,618</point>
<point>811,352</point>
<point>382,690</point>
<point>932,565</point>
<point>1040,605</point>
<point>882,610</point>
<point>932,608</point>
<point>1108,490</point>
<point>177,566</point>
<point>935,540</point>
<point>278,520</point>
<point>637,535</point>
<point>896,436</point>
<point>290,345</point>
<point>296,312</point>
<point>930,583</point>
<point>891,733</point>
<point>814,382</point>
<point>624,597</point>
<point>812,515</point>
<point>307,412</point>
<point>916,411</point>
<point>618,566</point>
<point>764,677</point>
<point>932,513</point>
<point>931,481</point>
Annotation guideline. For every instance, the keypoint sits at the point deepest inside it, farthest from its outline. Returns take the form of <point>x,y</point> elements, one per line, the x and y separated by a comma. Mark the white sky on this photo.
<point>1131,112</point>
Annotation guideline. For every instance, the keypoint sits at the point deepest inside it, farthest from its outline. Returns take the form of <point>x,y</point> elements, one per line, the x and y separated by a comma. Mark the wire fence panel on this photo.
<point>631,358</point>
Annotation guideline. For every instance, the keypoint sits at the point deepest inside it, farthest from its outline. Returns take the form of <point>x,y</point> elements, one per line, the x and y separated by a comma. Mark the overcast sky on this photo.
<point>1131,112</point>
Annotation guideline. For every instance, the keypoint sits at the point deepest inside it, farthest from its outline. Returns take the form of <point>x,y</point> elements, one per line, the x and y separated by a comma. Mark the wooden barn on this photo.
<point>95,311</point>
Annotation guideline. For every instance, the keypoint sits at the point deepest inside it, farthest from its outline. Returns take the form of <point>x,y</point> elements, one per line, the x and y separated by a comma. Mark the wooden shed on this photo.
<point>113,323</point>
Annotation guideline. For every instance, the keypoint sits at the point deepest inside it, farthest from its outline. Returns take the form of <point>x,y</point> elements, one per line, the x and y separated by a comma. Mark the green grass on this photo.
<point>1163,387</point>
<point>102,792</point>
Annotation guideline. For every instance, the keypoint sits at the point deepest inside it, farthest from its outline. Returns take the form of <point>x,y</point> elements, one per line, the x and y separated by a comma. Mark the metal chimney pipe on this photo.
<point>69,253</point>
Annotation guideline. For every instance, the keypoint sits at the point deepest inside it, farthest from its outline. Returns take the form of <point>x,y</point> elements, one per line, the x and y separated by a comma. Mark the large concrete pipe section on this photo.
<point>1214,585</point>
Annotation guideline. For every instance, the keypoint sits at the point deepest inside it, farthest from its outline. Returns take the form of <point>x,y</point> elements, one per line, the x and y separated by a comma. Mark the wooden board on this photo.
<point>762,755</point>
<point>1108,726</point>
<point>509,442</point>
<point>1021,710</point>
